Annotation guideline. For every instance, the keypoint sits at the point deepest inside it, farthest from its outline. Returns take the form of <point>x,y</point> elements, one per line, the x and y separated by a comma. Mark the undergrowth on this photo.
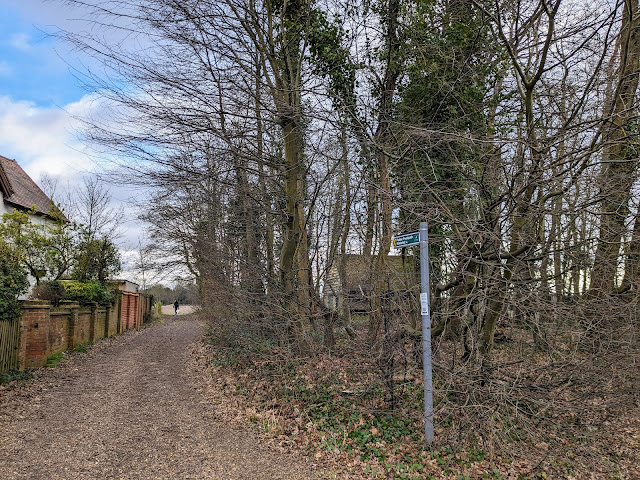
<point>16,376</point>
<point>83,347</point>
<point>492,421</point>
<point>355,423</point>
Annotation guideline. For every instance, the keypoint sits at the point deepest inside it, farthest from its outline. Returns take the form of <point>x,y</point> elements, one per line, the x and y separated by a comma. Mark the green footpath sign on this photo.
<point>406,240</point>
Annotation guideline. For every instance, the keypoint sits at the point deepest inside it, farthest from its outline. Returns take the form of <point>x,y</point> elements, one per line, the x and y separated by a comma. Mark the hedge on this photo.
<point>86,293</point>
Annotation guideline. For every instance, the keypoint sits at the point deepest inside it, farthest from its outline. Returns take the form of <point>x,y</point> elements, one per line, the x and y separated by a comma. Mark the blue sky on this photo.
<point>30,67</point>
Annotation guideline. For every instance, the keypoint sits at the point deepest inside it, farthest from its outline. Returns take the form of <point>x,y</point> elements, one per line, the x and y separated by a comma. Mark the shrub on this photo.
<point>53,291</point>
<point>13,282</point>
<point>16,376</point>
<point>87,293</point>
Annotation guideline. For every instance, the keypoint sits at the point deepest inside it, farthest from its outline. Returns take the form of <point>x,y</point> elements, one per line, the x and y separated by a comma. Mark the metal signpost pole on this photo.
<point>403,241</point>
<point>426,333</point>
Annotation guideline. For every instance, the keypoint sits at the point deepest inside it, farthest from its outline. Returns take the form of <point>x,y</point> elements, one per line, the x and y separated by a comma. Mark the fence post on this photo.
<point>107,319</point>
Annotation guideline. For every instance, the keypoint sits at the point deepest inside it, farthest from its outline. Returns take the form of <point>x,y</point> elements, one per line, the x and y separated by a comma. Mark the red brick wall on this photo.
<point>58,330</point>
<point>130,317</point>
<point>45,330</point>
<point>34,334</point>
<point>137,320</point>
<point>124,320</point>
<point>82,327</point>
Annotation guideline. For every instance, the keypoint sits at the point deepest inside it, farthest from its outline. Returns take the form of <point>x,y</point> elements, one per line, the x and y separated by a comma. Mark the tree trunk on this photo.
<point>383,144</point>
<point>618,159</point>
<point>294,247</point>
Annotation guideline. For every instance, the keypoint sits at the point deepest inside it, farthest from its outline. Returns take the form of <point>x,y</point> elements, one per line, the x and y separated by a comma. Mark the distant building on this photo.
<point>399,278</point>
<point>125,285</point>
<point>19,191</point>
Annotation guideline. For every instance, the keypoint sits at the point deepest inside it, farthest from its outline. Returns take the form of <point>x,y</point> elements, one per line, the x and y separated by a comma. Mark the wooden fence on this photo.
<point>9,344</point>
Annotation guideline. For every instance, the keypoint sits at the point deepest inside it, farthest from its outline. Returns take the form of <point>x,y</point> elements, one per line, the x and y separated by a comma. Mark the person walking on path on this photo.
<point>175,306</point>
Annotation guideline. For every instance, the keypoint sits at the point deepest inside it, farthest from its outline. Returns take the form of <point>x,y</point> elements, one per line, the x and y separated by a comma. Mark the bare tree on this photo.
<point>619,155</point>
<point>91,205</point>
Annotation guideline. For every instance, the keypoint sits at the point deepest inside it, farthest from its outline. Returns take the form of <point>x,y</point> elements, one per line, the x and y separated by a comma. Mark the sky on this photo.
<point>38,93</point>
<point>39,97</point>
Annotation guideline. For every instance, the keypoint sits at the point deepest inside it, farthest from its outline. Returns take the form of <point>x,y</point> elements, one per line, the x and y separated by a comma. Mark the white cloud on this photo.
<point>21,41</point>
<point>46,14</point>
<point>42,139</point>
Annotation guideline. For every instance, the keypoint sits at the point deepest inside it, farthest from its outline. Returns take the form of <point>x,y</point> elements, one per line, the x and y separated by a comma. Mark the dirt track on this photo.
<point>183,310</point>
<point>130,408</point>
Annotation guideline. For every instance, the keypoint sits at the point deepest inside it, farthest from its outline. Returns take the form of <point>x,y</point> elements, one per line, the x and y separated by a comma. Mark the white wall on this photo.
<point>36,219</point>
<point>3,207</point>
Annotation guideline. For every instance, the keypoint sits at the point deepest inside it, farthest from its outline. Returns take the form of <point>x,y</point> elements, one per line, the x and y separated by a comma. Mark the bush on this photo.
<point>86,293</point>
<point>52,291</point>
<point>13,282</point>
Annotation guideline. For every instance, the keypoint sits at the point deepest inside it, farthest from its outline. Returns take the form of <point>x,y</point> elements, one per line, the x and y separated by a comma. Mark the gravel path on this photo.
<point>130,408</point>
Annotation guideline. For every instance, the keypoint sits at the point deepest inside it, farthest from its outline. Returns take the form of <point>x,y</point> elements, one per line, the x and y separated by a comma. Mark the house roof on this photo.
<point>20,191</point>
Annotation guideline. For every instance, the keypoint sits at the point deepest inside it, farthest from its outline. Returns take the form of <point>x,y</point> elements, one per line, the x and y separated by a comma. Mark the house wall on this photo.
<point>3,207</point>
<point>399,277</point>
<point>127,286</point>
<point>35,219</point>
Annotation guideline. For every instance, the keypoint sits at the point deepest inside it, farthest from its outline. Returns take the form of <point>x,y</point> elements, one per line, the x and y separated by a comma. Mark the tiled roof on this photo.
<point>19,190</point>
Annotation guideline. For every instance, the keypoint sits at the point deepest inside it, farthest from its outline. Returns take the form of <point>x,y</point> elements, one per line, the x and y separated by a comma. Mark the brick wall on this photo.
<point>124,313</point>
<point>83,333</point>
<point>58,330</point>
<point>34,334</point>
<point>47,330</point>
<point>112,324</point>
